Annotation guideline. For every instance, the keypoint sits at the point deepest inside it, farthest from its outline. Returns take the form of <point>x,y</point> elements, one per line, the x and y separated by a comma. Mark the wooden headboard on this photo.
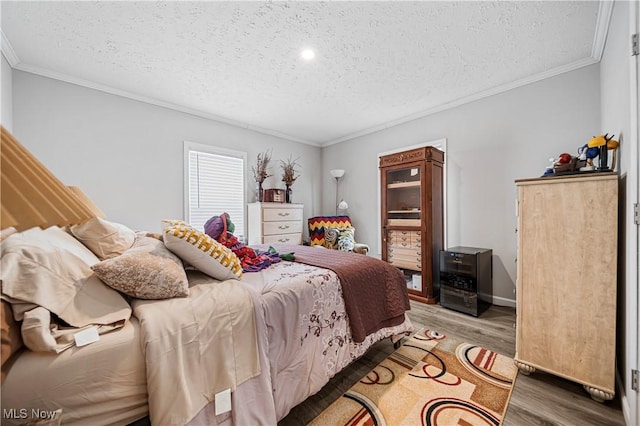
<point>32,196</point>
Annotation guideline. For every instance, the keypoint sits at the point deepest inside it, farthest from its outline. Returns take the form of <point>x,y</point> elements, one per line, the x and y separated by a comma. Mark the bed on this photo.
<point>302,338</point>
<point>258,343</point>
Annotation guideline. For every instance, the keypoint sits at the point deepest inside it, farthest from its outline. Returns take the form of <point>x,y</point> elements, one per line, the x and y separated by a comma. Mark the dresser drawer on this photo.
<point>391,237</point>
<point>283,239</point>
<point>414,266</point>
<point>399,243</point>
<point>416,239</point>
<point>277,228</point>
<point>404,239</point>
<point>395,233</point>
<point>279,215</point>
<point>410,254</point>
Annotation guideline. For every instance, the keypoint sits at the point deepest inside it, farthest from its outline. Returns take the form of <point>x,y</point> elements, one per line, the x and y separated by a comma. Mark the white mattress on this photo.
<point>101,383</point>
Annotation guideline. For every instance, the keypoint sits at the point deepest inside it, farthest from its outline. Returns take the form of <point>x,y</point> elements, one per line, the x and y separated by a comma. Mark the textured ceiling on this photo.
<point>377,63</point>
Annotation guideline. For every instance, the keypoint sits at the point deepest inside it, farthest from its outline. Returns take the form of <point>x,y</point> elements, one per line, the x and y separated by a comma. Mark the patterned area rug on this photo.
<point>431,379</point>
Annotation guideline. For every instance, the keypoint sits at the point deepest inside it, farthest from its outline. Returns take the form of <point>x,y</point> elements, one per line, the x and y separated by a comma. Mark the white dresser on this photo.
<point>275,223</point>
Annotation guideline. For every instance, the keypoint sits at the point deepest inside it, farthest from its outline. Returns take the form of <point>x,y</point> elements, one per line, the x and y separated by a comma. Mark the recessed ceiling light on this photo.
<point>308,54</point>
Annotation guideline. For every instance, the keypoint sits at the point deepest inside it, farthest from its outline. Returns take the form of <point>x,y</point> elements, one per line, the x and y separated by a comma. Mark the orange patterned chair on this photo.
<point>334,232</point>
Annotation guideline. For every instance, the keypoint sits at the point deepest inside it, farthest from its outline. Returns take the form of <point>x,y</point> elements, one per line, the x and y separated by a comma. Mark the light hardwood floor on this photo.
<point>538,399</point>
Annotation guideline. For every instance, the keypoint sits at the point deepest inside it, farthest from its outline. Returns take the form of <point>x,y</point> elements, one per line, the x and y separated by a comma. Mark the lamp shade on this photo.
<point>342,205</point>
<point>337,173</point>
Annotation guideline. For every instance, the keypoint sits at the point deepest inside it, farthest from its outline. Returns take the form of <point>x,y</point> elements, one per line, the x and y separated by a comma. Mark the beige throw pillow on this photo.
<point>202,252</point>
<point>148,270</point>
<point>105,239</point>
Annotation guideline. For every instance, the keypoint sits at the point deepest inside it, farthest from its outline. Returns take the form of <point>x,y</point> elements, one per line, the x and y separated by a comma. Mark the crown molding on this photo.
<point>605,10</point>
<point>8,52</point>
<point>154,101</point>
<point>467,99</point>
<point>14,62</point>
<point>603,20</point>
<point>458,102</point>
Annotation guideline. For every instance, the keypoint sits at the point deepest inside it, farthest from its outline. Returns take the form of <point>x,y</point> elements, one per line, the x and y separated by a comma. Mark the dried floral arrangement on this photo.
<point>289,171</point>
<point>260,172</point>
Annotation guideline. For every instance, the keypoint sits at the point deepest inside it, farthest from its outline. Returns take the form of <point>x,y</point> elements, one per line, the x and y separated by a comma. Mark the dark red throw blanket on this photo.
<point>375,293</point>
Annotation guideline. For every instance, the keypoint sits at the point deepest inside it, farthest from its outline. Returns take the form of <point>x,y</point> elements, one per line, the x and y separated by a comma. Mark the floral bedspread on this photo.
<point>308,329</point>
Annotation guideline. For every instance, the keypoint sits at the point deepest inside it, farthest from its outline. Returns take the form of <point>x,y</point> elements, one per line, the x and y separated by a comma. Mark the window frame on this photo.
<point>215,150</point>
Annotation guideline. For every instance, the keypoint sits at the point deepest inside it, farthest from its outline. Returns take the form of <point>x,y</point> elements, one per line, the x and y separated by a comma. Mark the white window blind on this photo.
<point>215,185</point>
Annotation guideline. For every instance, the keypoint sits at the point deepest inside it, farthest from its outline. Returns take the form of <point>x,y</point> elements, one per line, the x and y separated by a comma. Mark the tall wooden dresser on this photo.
<point>412,217</point>
<point>274,223</point>
<point>566,279</point>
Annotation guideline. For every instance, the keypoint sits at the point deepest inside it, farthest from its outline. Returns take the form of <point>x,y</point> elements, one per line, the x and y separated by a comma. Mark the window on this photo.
<point>214,183</point>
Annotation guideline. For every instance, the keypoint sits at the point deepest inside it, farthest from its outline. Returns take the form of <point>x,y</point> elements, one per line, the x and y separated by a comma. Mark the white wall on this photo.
<point>6,108</point>
<point>614,82</point>
<point>490,143</point>
<point>127,155</point>
<point>616,118</point>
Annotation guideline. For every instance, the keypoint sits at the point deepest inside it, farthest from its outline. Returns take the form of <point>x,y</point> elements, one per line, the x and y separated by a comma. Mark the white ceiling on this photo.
<point>377,63</point>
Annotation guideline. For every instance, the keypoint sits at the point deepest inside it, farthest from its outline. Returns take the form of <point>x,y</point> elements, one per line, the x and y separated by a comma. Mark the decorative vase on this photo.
<point>259,193</point>
<point>287,194</point>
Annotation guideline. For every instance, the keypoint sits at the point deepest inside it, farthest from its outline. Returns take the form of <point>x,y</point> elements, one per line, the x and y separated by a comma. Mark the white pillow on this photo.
<point>202,252</point>
<point>105,239</point>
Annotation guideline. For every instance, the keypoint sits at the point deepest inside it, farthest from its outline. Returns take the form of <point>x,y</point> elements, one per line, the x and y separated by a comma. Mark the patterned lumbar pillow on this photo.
<point>202,252</point>
<point>148,270</point>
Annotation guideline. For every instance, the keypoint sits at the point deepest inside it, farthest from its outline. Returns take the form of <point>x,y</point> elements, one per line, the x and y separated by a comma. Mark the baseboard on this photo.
<point>503,301</point>
<point>626,409</point>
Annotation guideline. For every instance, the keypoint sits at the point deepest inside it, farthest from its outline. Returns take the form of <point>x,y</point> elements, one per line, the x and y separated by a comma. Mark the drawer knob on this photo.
<point>283,227</point>
<point>283,214</point>
<point>283,240</point>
